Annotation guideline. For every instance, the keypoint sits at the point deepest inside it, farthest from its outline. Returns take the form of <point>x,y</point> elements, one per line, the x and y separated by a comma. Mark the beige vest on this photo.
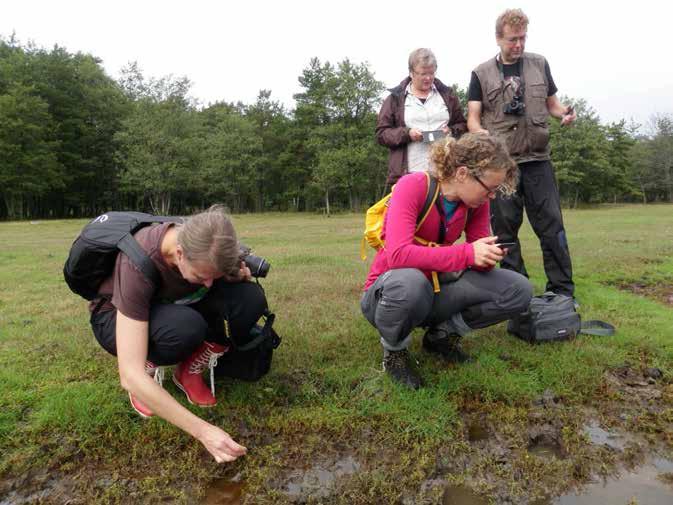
<point>527,136</point>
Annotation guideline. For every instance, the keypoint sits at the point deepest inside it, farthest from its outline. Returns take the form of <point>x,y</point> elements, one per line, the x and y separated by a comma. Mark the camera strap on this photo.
<point>519,64</point>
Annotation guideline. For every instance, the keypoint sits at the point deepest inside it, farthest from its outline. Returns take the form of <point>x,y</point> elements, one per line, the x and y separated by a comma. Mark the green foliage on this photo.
<point>338,112</point>
<point>162,149</point>
<point>28,149</point>
<point>74,143</point>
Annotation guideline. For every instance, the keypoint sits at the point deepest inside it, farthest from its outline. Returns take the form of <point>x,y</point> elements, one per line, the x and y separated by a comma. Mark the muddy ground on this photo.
<point>548,453</point>
<point>659,291</point>
<point>617,449</point>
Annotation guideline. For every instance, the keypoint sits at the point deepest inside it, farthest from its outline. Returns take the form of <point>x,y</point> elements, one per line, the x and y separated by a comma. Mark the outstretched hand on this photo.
<point>486,253</point>
<point>221,445</point>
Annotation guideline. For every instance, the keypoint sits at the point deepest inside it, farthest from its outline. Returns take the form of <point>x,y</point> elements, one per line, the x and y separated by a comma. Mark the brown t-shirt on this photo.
<point>130,292</point>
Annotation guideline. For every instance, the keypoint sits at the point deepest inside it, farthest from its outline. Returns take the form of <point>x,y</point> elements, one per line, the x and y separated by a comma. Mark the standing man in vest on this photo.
<point>512,96</point>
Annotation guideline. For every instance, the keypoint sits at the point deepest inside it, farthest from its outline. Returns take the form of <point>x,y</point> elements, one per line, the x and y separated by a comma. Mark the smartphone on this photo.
<point>506,245</point>
<point>431,136</point>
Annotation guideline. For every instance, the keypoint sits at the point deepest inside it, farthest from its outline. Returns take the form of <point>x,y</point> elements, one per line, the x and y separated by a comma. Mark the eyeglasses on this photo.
<point>513,40</point>
<point>489,191</point>
<point>423,75</point>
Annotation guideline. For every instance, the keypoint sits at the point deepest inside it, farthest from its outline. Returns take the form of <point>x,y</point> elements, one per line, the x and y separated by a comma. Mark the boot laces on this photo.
<point>156,372</point>
<point>208,358</point>
<point>397,360</point>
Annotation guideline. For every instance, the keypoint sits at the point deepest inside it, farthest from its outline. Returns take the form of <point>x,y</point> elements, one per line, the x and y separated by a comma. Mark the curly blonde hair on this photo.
<point>514,18</point>
<point>479,153</point>
<point>210,237</point>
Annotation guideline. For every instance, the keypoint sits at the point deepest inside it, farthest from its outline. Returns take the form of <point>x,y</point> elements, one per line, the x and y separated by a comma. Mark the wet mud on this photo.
<point>224,492</point>
<point>38,487</point>
<point>318,481</point>
<point>617,449</point>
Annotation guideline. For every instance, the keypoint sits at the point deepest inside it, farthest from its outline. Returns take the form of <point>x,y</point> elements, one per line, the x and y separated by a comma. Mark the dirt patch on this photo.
<point>659,291</point>
<point>38,487</point>
<point>319,481</point>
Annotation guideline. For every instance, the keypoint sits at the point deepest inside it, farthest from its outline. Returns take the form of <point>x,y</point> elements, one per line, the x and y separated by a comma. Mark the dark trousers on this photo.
<point>538,193</point>
<point>176,331</point>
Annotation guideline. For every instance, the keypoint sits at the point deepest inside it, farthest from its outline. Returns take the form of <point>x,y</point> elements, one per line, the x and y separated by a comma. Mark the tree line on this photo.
<point>74,142</point>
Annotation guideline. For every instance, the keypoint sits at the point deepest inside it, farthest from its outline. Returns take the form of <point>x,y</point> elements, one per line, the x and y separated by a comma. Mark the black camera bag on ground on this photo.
<point>250,360</point>
<point>94,252</point>
<point>552,318</point>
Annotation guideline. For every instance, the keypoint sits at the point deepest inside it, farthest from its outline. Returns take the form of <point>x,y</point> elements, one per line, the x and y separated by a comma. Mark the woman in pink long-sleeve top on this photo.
<point>399,294</point>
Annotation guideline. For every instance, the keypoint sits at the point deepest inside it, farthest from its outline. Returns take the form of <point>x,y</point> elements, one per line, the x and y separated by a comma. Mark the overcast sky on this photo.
<point>616,55</point>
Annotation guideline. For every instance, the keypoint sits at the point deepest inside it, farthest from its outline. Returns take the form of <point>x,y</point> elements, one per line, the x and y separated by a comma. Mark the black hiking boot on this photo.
<point>447,345</point>
<point>398,365</point>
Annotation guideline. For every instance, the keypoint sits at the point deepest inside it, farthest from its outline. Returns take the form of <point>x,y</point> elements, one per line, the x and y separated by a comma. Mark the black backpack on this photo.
<point>552,318</point>
<point>94,252</point>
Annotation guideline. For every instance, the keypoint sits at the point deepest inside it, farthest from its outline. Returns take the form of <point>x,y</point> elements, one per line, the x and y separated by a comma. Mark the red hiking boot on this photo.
<point>187,375</point>
<point>157,373</point>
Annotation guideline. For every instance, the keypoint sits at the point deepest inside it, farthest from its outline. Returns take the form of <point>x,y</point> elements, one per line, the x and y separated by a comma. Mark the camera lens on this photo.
<point>258,266</point>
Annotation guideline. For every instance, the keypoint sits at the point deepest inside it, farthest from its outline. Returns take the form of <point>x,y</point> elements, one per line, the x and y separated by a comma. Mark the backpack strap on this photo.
<point>130,246</point>
<point>266,334</point>
<point>431,194</point>
<point>595,327</point>
<point>156,219</point>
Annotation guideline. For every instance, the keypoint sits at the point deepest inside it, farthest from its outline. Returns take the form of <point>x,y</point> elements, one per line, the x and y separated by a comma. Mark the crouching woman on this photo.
<point>181,321</point>
<point>399,292</point>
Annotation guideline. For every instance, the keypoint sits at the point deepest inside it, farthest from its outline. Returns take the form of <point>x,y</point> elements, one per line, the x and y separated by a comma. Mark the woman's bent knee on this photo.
<point>404,301</point>
<point>520,292</point>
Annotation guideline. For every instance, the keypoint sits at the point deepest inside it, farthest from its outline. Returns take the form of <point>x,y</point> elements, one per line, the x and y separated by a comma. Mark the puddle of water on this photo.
<point>545,446</point>
<point>319,481</point>
<point>546,451</point>
<point>663,465</point>
<point>461,495</point>
<point>599,436</point>
<point>477,432</point>
<point>224,492</point>
<point>641,485</point>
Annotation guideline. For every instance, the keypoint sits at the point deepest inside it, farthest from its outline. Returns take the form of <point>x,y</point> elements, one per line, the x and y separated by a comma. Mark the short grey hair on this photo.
<point>422,57</point>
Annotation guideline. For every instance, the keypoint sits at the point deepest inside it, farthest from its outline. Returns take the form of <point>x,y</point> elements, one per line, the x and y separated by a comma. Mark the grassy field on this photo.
<point>68,433</point>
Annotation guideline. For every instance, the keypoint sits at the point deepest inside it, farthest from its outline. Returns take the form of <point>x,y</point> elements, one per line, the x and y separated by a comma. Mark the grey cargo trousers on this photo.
<point>402,299</point>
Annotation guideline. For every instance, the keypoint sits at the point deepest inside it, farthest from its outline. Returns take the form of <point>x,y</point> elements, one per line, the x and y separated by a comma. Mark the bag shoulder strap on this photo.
<point>595,327</point>
<point>267,333</point>
<point>431,194</point>
<point>130,246</point>
<point>142,222</point>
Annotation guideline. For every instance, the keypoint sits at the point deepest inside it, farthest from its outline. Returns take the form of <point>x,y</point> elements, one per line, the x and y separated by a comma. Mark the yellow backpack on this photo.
<point>376,215</point>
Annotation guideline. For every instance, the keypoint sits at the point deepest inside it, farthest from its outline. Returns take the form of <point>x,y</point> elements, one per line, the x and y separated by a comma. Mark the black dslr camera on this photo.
<point>516,106</point>
<point>258,266</point>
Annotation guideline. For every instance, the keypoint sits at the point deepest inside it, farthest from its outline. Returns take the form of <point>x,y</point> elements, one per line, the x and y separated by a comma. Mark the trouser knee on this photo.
<point>175,331</point>
<point>518,294</point>
<point>402,300</point>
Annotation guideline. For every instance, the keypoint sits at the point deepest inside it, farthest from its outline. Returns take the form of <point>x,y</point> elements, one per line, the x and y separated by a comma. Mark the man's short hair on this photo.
<point>514,18</point>
<point>422,57</point>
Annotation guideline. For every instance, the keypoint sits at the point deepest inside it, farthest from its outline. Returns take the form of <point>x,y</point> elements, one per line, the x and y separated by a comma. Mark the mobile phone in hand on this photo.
<point>506,245</point>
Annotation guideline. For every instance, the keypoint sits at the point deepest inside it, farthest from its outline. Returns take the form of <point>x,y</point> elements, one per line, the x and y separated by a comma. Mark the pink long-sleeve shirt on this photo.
<point>402,251</point>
